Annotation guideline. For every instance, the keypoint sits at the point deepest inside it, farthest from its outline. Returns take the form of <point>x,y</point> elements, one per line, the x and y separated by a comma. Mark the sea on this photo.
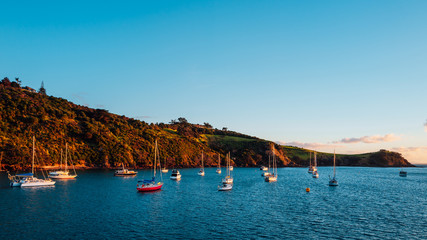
<point>369,203</point>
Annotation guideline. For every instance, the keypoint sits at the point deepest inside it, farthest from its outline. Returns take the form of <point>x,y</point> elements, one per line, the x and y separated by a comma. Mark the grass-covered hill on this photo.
<point>97,138</point>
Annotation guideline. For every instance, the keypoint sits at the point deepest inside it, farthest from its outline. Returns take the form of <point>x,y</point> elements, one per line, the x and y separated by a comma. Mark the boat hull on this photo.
<point>63,177</point>
<point>124,174</point>
<point>37,184</point>
<point>226,187</point>
<point>150,188</point>
<point>15,184</point>
<point>270,179</point>
<point>165,170</point>
<point>175,177</point>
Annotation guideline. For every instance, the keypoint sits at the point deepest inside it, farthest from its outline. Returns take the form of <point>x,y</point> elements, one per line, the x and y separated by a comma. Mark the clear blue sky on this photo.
<point>349,75</point>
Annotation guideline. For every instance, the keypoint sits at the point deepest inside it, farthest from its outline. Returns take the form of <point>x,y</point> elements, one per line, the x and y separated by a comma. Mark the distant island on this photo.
<point>99,139</point>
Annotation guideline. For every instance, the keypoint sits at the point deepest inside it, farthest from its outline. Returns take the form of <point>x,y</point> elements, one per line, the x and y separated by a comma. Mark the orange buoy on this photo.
<point>307,189</point>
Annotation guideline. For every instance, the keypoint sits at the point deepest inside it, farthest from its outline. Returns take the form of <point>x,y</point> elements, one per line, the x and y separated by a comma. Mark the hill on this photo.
<point>99,139</point>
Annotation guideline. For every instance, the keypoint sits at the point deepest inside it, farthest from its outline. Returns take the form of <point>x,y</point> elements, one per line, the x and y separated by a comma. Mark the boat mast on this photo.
<point>334,163</point>
<point>219,161</point>
<point>155,156</point>
<point>315,160</point>
<point>310,159</point>
<point>32,162</point>
<point>202,162</point>
<point>66,154</point>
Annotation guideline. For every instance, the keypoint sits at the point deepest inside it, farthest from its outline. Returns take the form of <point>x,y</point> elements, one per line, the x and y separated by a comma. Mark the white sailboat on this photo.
<point>218,170</point>
<point>164,169</point>
<point>63,174</point>
<point>310,168</point>
<point>228,178</point>
<point>272,177</point>
<point>333,182</point>
<point>202,169</point>
<point>267,173</point>
<point>28,179</point>
<point>315,174</point>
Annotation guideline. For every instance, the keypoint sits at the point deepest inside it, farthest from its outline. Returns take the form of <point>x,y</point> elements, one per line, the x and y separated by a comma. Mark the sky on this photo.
<point>324,75</point>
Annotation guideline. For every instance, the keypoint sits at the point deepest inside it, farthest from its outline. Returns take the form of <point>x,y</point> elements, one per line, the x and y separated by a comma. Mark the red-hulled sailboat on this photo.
<point>151,185</point>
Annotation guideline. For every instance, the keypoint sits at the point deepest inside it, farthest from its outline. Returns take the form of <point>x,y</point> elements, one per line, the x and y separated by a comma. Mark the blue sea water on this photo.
<point>370,203</point>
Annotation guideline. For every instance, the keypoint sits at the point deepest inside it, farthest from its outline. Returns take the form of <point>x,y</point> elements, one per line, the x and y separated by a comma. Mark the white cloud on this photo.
<point>425,126</point>
<point>309,145</point>
<point>370,139</point>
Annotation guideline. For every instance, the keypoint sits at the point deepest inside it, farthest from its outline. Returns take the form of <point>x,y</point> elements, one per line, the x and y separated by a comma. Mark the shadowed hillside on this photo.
<point>97,138</point>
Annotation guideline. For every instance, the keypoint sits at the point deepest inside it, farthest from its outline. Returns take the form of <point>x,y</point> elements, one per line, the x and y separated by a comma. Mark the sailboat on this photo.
<point>164,169</point>
<point>218,170</point>
<point>315,174</point>
<point>28,179</point>
<point>310,168</point>
<point>202,169</point>
<point>267,173</point>
<point>151,185</point>
<point>124,172</point>
<point>227,182</point>
<point>228,178</point>
<point>333,182</point>
<point>63,174</point>
<point>272,177</point>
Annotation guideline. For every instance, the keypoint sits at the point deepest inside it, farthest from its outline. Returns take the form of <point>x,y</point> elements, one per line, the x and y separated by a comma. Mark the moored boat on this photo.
<point>202,169</point>
<point>28,179</point>
<point>124,172</point>
<point>333,182</point>
<point>228,178</point>
<point>218,170</point>
<point>151,185</point>
<point>272,176</point>
<point>176,175</point>
<point>403,173</point>
<point>315,174</point>
<point>63,174</point>
<point>225,187</point>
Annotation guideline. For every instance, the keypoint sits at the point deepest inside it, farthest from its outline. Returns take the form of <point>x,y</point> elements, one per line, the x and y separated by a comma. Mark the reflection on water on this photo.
<point>368,203</point>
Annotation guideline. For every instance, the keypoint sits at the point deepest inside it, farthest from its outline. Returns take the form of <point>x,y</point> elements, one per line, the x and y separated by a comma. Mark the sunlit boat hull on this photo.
<point>227,180</point>
<point>165,170</point>
<point>270,179</point>
<point>62,176</point>
<point>201,173</point>
<point>218,171</point>
<point>37,183</point>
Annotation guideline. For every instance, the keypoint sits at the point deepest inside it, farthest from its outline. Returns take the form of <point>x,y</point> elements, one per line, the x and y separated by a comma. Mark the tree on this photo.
<point>18,81</point>
<point>182,120</point>
<point>224,129</point>
<point>207,125</point>
<point>6,82</point>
